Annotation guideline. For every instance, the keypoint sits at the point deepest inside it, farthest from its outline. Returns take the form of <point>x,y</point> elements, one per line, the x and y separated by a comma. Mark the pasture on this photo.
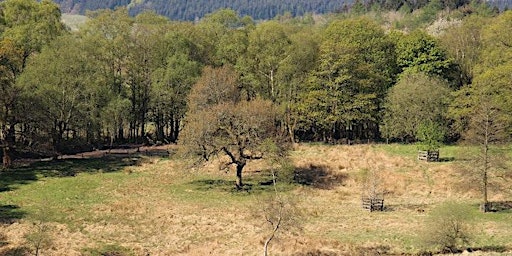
<point>143,205</point>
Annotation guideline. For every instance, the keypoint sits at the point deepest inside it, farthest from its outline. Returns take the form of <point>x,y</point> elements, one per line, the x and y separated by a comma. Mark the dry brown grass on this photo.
<point>153,209</point>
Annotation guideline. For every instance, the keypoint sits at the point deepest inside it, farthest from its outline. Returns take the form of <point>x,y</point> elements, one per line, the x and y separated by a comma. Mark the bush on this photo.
<point>447,228</point>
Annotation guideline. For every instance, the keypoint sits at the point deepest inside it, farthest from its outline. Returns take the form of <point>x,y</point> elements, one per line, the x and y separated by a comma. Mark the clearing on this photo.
<point>133,204</point>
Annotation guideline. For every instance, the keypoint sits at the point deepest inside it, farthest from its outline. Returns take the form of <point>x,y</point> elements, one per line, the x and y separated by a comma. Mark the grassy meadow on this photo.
<point>139,205</point>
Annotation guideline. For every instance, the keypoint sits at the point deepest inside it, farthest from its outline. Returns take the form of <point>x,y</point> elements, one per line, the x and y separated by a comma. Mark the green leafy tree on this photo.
<point>430,135</point>
<point>213,34</point>
<point>113,116</point>
<point>356,66</point>
<point>144,57</point>
<point>62,93</point>
<point>27,25</point>
<point>482,112</point>
<point>172,84</point>
<point>420,52</point>
<point>415,103</point>
<point>294,70</point>
<point>106,36</point>
<point>464,44</point>
<point>259,68</point>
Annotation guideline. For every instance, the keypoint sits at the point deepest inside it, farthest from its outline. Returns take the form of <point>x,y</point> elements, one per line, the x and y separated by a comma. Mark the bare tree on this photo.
<point>273,215</point>
<point>486,129</point>
<point>281,214</point>
<point>220,123</point>
<point>372,189</point>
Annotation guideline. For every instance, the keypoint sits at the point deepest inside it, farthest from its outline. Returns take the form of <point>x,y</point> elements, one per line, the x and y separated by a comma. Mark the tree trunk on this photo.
<point>267,242</point>
<point>239,182</point>
<point>7,143</point>
<point>176,129</point>
<point>6,159</point>
<point>485,204</point>
<point>160,125</point>
<point>120,133</point>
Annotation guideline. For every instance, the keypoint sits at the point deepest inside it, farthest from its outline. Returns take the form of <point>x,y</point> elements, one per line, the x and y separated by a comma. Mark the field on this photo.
<point>142,205</point>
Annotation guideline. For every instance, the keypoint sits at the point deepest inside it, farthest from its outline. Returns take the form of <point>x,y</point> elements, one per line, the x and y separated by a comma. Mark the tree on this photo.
<point>420,52</point>
<point>63,94</point>
<point>430,135</point>
<point>218,122</point>
<point>481,108</point>
<point>463,43</point>
<point>214,87</point>
<point>106,36</point>
<point>27,25</point>
<point>355,68</point>
<point>415,101</point>
<point>268,45</point>
<point>300,60</point>
<point>112,116</point>
<point>447,227</point>
<point>171,85</point>
<point>213,34</point>
<point>144,57</point>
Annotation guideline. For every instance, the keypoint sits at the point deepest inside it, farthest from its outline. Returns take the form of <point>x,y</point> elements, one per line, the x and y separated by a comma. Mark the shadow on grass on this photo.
<point>485,249</point>
<point>10,213</point>
<point>418,208</point>
<point>20,251</point>
<point>318,176</point>
<point>62,168</point>
<point>107,250</point>
<point>251,185</point>
<point>315,252</point>
<point>12,178</point>
<point>446,159</point>
<point>491,248</point>
<point>213,184</point>
<point>501,206</point>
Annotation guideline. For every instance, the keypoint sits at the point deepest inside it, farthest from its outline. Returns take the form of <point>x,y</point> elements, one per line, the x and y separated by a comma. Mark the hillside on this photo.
<point>258,9</point>
<point>190,10</point>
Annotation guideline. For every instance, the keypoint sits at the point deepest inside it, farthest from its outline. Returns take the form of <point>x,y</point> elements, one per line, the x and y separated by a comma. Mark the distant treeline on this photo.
<point>190,10</point>
<point>257,9</point>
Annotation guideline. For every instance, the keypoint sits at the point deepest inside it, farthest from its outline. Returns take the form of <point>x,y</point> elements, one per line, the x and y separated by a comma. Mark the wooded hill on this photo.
<point>257,9</point>
<point>191,10</point>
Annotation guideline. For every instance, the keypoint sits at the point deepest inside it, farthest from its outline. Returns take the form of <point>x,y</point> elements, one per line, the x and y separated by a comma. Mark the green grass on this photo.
<point>58,188</point>
<point>447,153</point>
<point>107,249</point>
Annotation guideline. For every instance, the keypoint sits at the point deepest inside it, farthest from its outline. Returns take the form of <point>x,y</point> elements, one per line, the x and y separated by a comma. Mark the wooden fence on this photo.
<point>428,155</point>
<point>373,204</point>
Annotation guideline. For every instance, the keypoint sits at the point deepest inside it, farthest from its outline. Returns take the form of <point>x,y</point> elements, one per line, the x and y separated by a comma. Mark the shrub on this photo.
<point>447,228</point>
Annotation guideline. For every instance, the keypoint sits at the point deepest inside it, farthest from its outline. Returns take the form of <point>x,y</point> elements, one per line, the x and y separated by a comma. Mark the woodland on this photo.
<point>258,10</point>
<point>360,76</point>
